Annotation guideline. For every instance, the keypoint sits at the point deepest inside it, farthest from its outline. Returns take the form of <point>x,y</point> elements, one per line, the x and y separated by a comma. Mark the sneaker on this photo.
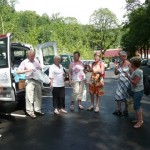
<point>63,111</point>
<point>96,110</point>
<point>72,107</point>
<point>56,112</point>
<point>0,135</point>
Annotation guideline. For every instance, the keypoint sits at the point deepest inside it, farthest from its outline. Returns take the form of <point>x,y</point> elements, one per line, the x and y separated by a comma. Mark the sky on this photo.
<point>80,9</point>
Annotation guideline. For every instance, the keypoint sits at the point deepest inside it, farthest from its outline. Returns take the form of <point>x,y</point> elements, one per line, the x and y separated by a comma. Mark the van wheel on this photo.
<point>8,107</point>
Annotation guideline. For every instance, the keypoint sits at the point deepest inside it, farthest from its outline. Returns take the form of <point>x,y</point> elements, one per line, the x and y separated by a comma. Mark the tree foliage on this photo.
<point>136,31</point>
<point>29,27</point>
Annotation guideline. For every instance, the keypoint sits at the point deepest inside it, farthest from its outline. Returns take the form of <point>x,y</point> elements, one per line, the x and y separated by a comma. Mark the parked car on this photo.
<point>148,63</point>
<point>66,59</point>
<point>144,62</point>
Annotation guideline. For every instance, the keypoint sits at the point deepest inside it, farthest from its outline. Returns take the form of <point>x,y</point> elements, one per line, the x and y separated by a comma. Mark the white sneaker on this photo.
<point>64,111</point>
<point>0,135</point>
<point>56,112</point>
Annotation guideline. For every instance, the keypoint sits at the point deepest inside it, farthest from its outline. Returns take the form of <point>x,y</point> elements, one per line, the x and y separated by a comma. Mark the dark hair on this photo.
<point>76,52</point>
<point>136,61</point>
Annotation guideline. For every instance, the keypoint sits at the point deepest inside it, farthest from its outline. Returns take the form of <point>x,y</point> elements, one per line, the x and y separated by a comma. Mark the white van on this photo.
<point>12,92</point>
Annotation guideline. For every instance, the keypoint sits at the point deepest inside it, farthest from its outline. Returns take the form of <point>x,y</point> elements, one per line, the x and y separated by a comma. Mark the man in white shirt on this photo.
<point>33,87</point>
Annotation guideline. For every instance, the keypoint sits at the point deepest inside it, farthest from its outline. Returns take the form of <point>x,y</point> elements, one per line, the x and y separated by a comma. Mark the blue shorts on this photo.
<point>137,96</point>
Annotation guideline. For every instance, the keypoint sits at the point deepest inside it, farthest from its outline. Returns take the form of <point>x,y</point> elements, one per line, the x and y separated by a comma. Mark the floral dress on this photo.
<point>96,83</point>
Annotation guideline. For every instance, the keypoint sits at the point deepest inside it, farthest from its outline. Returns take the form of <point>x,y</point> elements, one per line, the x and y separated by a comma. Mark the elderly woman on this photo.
<point>56,75</point>
<point>137,88</point>
<point>96,81</point>
<point>77,80</point>
<point>123,84</point>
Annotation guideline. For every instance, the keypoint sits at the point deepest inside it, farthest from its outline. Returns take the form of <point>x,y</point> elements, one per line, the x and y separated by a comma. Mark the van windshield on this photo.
<point>66,60</point>
<point>3,53</point>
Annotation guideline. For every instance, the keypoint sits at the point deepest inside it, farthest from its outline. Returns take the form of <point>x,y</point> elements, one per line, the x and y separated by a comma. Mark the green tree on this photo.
<point>105,25</point>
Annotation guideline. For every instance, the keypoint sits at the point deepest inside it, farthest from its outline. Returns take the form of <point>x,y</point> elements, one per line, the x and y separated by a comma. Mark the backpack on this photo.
<point>146,83</point>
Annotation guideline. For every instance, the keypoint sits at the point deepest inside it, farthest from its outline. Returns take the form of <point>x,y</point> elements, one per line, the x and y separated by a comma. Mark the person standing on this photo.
<point>77,80</point>
<point>33,87</point>
<point>123,84</point>
<point>56,75</point>
<point>96,83</point>
<point>137,88</point>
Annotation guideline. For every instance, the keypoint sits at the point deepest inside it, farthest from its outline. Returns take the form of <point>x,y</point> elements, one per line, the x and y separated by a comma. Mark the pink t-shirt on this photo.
<point>78,71</point>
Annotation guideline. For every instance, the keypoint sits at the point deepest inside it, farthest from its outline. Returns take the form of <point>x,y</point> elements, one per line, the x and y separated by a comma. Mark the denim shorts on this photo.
<point>137,96</point>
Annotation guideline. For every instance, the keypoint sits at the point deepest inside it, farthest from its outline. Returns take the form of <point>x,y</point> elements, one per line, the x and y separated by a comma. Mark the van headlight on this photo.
<point>6,92</point>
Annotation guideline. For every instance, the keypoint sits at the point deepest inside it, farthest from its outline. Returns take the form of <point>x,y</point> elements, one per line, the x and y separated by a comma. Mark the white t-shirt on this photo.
<point>57,73</point>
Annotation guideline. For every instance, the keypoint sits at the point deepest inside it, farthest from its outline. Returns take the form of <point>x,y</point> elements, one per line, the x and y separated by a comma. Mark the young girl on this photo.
<point>137,88</point>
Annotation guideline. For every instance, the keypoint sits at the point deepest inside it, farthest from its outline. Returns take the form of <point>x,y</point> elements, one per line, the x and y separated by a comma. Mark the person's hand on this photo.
<point>102,81</point>
<point>70,82</point>
<point>116,65</point>
<point>51,84</point>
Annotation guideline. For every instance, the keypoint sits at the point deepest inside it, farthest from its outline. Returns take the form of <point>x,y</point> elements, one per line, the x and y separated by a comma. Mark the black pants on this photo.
<point>58,97</point>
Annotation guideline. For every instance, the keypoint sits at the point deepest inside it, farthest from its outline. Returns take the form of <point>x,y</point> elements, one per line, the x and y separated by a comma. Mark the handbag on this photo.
<point>84,96</point>
<point>130,105</point>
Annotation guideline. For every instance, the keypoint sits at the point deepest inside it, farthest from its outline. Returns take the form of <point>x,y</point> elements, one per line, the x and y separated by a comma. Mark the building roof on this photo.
<point>112,52</point>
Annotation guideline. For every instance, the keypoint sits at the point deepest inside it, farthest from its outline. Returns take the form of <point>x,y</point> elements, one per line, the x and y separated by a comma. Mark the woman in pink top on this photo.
<point>77,80</point>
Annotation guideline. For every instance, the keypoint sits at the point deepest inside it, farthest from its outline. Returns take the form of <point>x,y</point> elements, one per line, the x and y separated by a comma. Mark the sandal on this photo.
<point>117,112</point>
<point>32,115</point>
<point>134,121</point>
<point>138,125</point>
<point>125,113</point>
<point>91,108</point>
<point>72,107</point>
<point>80,107</point>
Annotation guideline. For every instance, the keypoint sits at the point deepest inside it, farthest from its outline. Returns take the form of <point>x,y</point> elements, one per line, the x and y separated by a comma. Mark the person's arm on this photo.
<point>70,74</point>
<point>135,80</point>
<point>116,72</point>
<point>51,76</point>
<point>102,69</point>
<point>22,69</point>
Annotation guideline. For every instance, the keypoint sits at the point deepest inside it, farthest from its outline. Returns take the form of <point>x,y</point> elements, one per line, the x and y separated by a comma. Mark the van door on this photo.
<point>7,92</point>
<point>45,54</point>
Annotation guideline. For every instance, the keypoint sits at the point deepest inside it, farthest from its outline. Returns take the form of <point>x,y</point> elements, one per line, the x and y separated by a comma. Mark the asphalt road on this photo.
<point>78,130</point>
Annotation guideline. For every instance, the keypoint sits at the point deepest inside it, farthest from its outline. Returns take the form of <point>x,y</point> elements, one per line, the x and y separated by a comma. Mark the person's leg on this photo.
<point>62,99</point>
<point>92,99</point>
<point>38,97</point>
<point>118,111</point>
<point>91,88</point>
<point>55,94</point>
<point>74,94</point>
<point>97,103</point>
<point>137,107</point>
<point>30,99</point>
<point>125,112</point>
<point>80,89</point>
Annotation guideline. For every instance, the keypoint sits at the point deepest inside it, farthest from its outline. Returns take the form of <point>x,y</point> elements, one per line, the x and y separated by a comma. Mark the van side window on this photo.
<point>3,53</point>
